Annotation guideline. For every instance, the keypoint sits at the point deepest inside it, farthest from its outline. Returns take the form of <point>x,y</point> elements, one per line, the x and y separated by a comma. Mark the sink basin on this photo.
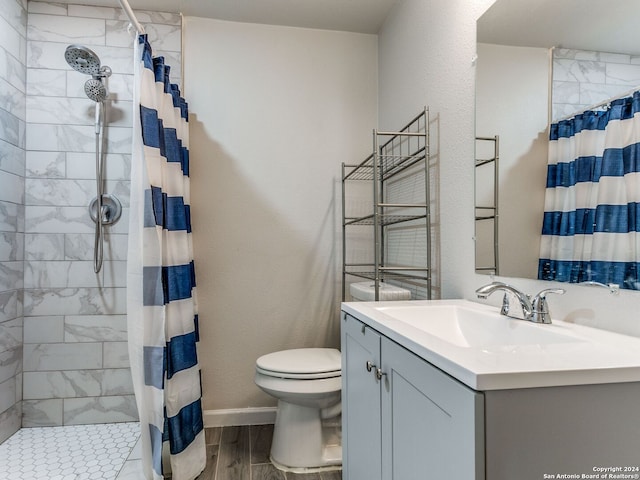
<point>463,326</point>
<point>487,351</point>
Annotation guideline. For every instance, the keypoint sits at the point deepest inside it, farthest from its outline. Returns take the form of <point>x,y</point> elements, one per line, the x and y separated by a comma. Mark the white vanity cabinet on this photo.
<point>404,419</point>
<point>416,408</point>
<point>361,402</point>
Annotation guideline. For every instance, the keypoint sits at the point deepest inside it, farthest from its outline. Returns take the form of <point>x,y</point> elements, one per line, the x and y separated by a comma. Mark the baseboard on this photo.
<point>239,416</point>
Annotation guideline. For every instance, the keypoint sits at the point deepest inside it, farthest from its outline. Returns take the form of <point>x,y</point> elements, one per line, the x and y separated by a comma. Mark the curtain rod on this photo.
<point>132,16</point>
<point>598,105</point>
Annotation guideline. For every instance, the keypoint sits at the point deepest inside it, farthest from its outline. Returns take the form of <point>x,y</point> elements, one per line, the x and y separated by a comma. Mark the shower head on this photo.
<point>82,59</point>
<point>95,90</point>
<point>86,61</point>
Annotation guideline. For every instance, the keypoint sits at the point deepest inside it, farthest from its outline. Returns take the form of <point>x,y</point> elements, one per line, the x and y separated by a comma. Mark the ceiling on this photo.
<point>604,26</point>
<point>363,16</point>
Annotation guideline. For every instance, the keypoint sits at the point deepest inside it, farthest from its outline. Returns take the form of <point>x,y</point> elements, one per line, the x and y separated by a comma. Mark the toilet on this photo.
<point>366,292</point>
<point>307,383</point>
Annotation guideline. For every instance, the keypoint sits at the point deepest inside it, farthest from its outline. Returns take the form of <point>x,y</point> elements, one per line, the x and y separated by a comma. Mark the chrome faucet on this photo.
<point>516,304</point>
<point>523,308</point>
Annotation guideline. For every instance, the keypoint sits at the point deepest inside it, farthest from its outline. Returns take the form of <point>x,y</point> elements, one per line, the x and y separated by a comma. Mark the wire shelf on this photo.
<point>388,275</point>
<point>406,150</point>
<point>384,219</point>
<point>389,165</point>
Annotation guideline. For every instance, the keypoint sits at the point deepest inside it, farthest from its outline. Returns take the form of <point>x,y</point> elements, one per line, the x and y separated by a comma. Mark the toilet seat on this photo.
<point>298,376</point>
<point>301,363</point>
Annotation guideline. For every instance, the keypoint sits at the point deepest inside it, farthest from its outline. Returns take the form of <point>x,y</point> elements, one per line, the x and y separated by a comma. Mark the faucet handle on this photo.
<point>543,294</point>
<point>540,306</point>
<point>505,305</point>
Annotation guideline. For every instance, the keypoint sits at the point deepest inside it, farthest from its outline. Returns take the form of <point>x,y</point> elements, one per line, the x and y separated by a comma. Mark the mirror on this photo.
<point>538,61</point>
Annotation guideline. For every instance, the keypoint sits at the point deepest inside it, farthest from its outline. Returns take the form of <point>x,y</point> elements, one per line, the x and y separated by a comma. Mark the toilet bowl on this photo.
<point>307,383</point>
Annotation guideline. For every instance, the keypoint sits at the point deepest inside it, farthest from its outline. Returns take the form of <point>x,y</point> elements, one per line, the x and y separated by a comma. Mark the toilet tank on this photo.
<point>366,292</point>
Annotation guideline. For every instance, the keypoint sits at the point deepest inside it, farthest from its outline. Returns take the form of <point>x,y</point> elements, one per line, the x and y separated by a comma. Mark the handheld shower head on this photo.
<point>82,59</point>
<point>95,90</point>
<point>86,61</point>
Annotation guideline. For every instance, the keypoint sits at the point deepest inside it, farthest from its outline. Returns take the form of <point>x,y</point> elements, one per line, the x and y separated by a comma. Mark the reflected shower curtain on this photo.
<point>161,296</point>
<point>592,206</point>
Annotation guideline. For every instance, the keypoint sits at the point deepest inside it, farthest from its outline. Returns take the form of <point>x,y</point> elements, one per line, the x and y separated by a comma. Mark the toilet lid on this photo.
<point>301,363</point>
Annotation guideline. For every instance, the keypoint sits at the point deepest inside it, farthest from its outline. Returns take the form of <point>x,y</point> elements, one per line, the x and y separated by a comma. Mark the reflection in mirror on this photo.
<point>512,90</point>
<point>537,63</point>
<point>486,204</point>
<point>592,212</point>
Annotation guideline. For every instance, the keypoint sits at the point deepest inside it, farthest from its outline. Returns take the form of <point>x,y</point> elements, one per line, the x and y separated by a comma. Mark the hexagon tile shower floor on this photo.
<point>76,452</point>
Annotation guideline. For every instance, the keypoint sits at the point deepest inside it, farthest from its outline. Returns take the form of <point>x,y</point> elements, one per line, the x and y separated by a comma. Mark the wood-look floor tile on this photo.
<point>335,475</point>
<point>242,453</point>
<point>209,472</point>
<point>212,435</point>
<point>266,471</point>
<point>261,436</point>
<point>233,456</point>
<point>303,476</point>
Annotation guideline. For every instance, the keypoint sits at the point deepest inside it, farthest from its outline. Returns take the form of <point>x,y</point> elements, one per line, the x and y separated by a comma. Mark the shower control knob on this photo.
<point>110,212</point>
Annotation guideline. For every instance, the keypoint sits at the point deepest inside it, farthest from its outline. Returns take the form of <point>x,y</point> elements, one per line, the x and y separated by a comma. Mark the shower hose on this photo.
<point>101,210</point>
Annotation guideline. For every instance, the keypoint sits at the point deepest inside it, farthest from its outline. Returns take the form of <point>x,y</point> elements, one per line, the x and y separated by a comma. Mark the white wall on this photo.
<point>513,83</point>
<point>274,112</point>
<point>426,50</point>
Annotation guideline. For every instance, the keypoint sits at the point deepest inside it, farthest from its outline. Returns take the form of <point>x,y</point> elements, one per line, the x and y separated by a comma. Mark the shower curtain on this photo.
<point>161,295</point>
<point>592,206</point>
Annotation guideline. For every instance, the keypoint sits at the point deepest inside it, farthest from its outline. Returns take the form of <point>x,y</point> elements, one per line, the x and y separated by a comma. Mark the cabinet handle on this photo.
<point>370,366</point>
<point>380,374</point>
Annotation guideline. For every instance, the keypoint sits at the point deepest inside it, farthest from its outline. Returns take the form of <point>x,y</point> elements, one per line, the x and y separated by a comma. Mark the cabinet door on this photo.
<point>361,430</point>
<point>432,424</point>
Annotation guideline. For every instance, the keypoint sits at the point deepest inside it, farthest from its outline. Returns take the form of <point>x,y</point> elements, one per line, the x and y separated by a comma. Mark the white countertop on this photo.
<point>592,356</point>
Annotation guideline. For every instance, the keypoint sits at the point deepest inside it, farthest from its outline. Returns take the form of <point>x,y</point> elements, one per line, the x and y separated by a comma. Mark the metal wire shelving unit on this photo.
<point>405,152</point>
<point>489,213</point>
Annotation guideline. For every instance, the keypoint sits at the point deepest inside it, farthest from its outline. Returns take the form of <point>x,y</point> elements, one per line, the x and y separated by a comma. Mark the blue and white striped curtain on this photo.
<point>161,295</point>
<point>592,205</point>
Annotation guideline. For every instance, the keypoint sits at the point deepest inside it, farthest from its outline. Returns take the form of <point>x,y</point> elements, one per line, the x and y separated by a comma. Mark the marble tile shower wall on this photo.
<point>584,78</point>
<point>76,367</point>
<point>13,27</point>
